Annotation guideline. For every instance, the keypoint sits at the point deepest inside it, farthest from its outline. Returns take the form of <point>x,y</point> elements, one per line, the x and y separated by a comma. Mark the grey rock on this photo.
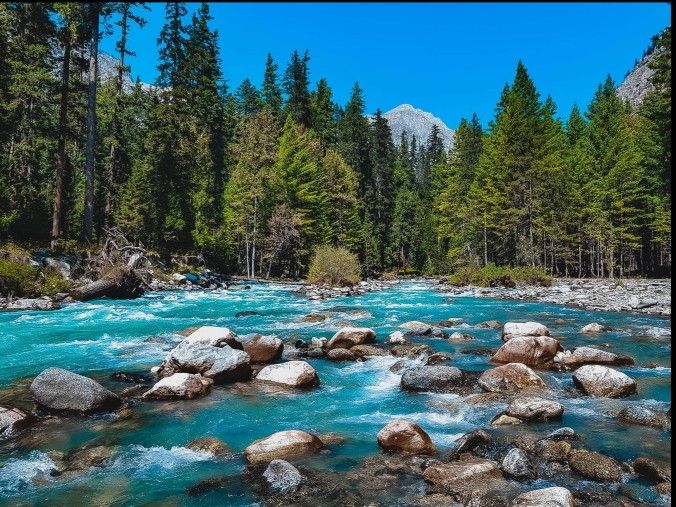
<point>282,476</point>
<point>222,364</point>
<point>431,378</point>
<point>12,420</point>
<point>60,389</point>
<point>516,464</point>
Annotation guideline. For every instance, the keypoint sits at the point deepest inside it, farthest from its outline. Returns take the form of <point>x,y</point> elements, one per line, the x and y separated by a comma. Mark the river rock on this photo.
<point>87,457</point>
<point>597,380</point>
<point>516,464</point>
<point>246,313</point>
<point>468,442</point>
<point>490,324</point>
<point>545,497</point>
<point>553,450</point>
<point>593,328</point>
<point>589,355</point>
<point>350,336</point>
<point>636,414</point>
<point>12,420</point>
<point>565,433</point>
<point>282,476</point>
<point>451,322</point>
<point>512,329</point>
<point>180,386</point>
<point>534,409</point>
<point>341,355</point>
<point>282,445</point>
<point>663,488</point>
<point>211,445</point>
<point>510,377</point>
<point>222,364</point>
<point>431,378</point>
<point>367,350</point>
<point>401,435</point>
<point>529,350</point>
<point>60,389</point>
<point>214,336</point>
<point>397,338</point>
<point>649,470</point>
<point>264,349</point>
<point>43,303</point>
<point>460,337</point>
<point>438,358</point>
<point>291,373</point>
<point>417,328</point>
<point>318,343</point>
<point>457,476</point>
<point>595,466</point>
<point>505,420</point>
<point>314,317</point>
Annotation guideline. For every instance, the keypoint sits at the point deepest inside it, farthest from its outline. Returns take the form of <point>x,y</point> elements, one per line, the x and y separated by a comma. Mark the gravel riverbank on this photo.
<point>650,296</point>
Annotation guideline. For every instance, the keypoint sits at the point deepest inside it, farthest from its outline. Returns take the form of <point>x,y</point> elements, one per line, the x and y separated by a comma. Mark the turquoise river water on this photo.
<point>354,399</point>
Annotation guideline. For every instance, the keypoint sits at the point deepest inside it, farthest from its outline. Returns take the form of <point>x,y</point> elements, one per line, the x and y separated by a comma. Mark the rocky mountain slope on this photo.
<point>637,83</point>
<point>417,123</point>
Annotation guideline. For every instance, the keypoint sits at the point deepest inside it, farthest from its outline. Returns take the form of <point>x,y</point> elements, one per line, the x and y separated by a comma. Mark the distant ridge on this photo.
<point>416,122</point>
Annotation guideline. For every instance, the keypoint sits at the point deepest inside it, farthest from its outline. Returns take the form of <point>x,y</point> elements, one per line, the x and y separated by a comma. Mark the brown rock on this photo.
<point>509,377</point>
<point>529,350</point>
<point>595,466</point>
<point>212,445</point>
<point>341,355</point>
<point>348,337</point>
<point>461,475</point>
<point>264,349</point>
<point>283,445</point>
<point>401,435</point>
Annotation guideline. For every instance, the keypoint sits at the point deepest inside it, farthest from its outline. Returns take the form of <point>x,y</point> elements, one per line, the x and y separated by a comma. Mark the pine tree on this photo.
<point>296,86</point>
<point>270,92</point>
<point>354,137</point>
<point>248,98</point>
<point>342,203</point>
<point>323,114</point>
<point>172,44</point>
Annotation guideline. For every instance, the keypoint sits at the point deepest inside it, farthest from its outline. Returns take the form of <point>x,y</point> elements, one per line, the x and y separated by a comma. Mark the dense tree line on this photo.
<point>257,178</point>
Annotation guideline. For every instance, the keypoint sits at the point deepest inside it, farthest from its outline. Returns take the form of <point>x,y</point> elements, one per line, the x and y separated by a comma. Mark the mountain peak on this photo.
<point>416,122</point>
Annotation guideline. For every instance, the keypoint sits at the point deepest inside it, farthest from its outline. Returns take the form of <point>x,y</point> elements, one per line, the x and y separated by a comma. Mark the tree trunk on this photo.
<point>119,284</point>
<point>61,148</point>
<point>90,151</point>
<point>485,244</point>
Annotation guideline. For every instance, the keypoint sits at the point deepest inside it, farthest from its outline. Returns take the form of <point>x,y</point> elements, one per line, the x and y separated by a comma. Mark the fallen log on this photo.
<point>116,284</point>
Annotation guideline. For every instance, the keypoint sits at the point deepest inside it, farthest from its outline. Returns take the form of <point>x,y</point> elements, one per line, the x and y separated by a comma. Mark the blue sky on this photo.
<point>450,59</point>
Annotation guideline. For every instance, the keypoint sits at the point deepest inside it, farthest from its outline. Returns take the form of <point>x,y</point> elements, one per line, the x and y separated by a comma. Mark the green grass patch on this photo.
<point>19,279</point>
<point>500,276</point>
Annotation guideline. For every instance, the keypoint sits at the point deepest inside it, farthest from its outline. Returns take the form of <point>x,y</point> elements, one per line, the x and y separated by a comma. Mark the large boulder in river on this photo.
<point>214,336</point>
<point>643,416</point>
<point>180,386</point>
<point>283,445</point>
<point>417,328</point>
<point>60,389</point>
<point>589,355</point>
<point>513,329</point>
<point>529,350</point>
<point>264,349</point>
<point>291,373</point>
<point>510,377</point>
<point>401,435</point>
<point>545,497</point>
<point>593,328</point>
<point>12,420</point>
<point>350,336</point>
<point>458,476</point>
<point>222,364</point>
<point>595,466</point>
<point>431,378</point>
<point>516,464</point>
<point>601,381</point>
<point>534,409</point>
<point>341,355</point>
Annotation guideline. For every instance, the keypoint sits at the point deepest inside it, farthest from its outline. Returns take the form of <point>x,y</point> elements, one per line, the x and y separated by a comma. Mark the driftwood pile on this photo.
<point>115,270</point>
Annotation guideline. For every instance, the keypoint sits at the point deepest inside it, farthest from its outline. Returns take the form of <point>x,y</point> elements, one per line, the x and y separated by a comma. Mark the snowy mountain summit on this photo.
<point>416,122</point>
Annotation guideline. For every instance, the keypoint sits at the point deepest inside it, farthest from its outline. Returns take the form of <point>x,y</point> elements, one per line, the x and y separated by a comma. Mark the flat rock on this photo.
<point>468,442</point>
<point>180,386</point>
<point>348,337</point>
<point>593,328</point>
<point>368,350</point>
<point>534,409</point>
<point>595,466</point>
<point>601,381</point>
<point>59,389</point>
<point>460,337</point>
<point>291,373</point>
<point>283,445</point>
<point>505,420</point>
<point>650,470</point>
<point>263,349</point>
<point>490,324</point>
<point>529,350</point>
<point>417,328</point>
<point>401,435</point>
<point>510,377</point>
<point>431,378</point>
<point>590,355</point>
<point>545,497</point>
